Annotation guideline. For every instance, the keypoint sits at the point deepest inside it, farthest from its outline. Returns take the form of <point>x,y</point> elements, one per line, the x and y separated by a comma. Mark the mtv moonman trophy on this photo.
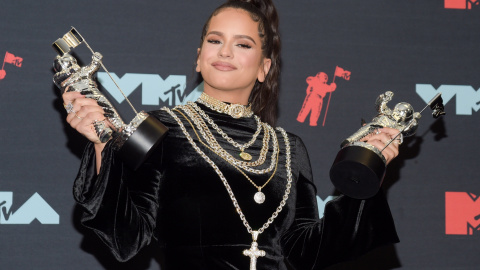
<point>133,142</point>
<point>359,167</point>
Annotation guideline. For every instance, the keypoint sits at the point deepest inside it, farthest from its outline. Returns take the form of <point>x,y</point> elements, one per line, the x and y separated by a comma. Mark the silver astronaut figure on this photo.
<point>359,168</point>
<point>402,117</point>
<point>132,142</point>
<point>70,77</point>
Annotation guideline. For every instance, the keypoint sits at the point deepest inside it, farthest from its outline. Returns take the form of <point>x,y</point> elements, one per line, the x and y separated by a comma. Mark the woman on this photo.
<point>225,190</point>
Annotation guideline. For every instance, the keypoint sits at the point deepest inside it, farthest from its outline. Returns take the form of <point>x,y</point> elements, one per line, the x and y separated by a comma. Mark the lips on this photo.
<point>223,66</point>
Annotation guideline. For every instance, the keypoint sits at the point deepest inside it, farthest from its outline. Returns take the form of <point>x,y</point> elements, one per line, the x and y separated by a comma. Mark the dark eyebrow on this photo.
<point>236,36</point>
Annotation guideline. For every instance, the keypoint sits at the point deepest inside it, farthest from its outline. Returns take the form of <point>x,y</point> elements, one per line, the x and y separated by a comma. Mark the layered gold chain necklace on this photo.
<point>247,166</point>
<point>253,252</point>
<point>242,147</point>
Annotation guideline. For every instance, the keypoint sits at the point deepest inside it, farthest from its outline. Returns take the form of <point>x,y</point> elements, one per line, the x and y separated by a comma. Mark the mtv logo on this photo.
<point>462,213</point>
<point>321,204</point>
<point>170,90</point>
<point>467,99</point>
<point>462,4</point>
<point>34,208</point>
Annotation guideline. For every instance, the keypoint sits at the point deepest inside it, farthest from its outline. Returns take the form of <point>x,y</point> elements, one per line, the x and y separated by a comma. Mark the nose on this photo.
<point>225,51</point>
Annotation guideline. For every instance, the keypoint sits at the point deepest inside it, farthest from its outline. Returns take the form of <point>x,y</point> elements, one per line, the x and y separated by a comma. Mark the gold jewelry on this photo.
<point>208,136</point>
<point>255,234</point>
<point>259,196</point>
<point>77,115</point>
<point>234,110</point>
<point>243,154</point>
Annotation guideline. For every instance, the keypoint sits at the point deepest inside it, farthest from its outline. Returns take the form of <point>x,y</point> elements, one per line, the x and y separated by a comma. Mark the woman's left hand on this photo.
<point>381,137</point>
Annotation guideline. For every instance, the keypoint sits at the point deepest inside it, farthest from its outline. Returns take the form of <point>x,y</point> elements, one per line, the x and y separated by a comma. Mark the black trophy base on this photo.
<point>357,172</point>
<point>140,144</point>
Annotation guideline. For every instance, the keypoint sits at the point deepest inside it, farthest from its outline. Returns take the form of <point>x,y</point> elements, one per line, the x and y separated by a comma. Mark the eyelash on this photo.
<point>244,46</point>
<point>241,45</point>
<point>213,41</point>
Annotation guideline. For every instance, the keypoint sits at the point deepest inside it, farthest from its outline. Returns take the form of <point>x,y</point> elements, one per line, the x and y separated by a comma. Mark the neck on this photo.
<point>231,96</point>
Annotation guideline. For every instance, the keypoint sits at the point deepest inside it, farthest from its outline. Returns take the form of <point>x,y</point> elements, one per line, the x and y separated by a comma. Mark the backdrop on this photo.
<point>413,48</point>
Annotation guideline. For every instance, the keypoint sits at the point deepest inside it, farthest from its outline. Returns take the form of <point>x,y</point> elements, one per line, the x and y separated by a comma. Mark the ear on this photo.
<point>264,69</point>
<point>197,67</point>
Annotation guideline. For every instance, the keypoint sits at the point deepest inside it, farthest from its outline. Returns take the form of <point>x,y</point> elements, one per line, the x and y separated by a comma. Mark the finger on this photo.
<point>384,138</point>
<point>391,151</point>
<point>83,112</point>
<point>84,124</point>
<point>70,97</point>
<point>390,131</point>
<point>81,107</point>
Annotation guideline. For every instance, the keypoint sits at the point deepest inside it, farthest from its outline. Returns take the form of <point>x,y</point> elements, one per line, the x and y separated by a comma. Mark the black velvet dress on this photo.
<point>178,199</point>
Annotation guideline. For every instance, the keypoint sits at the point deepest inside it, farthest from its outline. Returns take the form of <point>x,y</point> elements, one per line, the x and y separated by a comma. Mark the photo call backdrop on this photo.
<point>414,48</point>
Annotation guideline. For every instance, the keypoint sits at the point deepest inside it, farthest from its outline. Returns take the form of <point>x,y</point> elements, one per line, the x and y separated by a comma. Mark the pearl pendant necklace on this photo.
<point>259,197</point>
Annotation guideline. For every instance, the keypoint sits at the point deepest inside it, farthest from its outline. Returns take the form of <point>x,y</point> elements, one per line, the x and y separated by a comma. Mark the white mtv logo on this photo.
<point>466,97</point>
<point>34,208</point>
<point>154,88</point>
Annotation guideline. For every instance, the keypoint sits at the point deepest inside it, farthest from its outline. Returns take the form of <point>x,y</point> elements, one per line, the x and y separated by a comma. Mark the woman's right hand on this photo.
<point>85,112</point>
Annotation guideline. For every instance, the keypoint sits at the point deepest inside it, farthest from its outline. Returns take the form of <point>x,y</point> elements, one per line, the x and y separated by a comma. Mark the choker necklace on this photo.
<point>253,252</point>
<point>234,110</point>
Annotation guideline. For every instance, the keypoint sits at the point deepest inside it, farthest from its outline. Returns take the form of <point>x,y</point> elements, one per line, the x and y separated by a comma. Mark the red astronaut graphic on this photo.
<point>317,89</point>
<point>10,59</point>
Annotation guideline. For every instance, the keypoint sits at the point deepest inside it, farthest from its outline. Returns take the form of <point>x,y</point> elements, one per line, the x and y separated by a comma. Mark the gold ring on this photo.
<point>78,116</point>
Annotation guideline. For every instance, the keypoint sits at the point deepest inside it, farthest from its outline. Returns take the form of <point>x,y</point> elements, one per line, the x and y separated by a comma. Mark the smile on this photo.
<point>223,66</point>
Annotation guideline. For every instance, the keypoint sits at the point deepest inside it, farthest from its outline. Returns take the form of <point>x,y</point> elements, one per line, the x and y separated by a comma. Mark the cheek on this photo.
<point>251,61</point>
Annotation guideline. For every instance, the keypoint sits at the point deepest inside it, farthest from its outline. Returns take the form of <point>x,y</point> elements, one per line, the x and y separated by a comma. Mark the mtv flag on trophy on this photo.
<point>10,59</point>
<point>340,72</point>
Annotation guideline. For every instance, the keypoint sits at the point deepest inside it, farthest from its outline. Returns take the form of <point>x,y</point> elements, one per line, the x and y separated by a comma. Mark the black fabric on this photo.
<point>177,198</point>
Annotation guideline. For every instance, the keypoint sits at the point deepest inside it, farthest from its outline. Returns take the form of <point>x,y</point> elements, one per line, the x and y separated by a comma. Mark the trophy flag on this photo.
<point>339,72</point>
<point>10,59</point>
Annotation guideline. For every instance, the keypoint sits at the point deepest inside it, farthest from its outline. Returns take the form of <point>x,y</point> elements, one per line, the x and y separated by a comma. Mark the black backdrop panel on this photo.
<point>413,48</point>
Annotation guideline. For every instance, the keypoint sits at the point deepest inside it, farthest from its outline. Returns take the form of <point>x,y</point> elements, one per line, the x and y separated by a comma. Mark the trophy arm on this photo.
<point>381,103</point>
<point>94,66</point>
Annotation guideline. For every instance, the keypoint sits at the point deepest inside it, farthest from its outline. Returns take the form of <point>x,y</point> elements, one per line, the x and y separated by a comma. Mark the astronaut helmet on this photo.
<point>323,76</point>
<point>403,112</point>
<point>65,62</point>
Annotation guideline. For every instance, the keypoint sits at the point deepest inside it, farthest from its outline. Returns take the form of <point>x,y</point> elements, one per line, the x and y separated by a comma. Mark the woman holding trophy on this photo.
<point>225,189</point>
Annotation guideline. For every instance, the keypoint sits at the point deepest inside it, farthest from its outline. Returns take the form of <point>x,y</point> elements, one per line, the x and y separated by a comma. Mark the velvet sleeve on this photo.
<point>119,205</point>
<point>348,229</point>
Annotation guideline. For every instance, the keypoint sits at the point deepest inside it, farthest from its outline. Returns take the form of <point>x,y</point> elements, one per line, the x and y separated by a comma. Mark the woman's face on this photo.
<point>230,58</point>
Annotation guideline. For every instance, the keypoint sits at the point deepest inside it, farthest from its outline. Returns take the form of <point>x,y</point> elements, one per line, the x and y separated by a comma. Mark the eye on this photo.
<point>244,46</point>
<point>213,41</point>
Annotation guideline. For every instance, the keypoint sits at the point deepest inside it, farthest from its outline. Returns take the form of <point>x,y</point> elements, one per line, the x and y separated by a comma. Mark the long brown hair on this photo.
<point>264,96</point>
